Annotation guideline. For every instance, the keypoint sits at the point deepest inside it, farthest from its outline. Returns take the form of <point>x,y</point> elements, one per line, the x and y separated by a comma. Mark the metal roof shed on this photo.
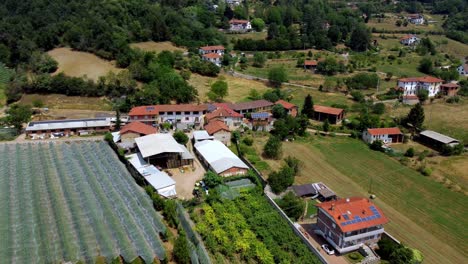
<point>218,156</point>
<point>155,144</point>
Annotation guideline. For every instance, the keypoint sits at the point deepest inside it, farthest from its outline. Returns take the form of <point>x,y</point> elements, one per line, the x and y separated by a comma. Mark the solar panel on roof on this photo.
<point>346,217</point>
<point>359,220</point>
<point>353,222</point>
<point>356,217</point>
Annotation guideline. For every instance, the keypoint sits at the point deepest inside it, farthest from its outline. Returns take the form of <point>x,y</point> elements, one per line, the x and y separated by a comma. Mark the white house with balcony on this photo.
<point>239,25</point>
<point>411,86</point>
<point>212,49</point>
<point>348,224</point>
<point>409,40</point>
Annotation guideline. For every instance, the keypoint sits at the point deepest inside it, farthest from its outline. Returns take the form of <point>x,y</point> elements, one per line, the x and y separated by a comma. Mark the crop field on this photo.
<point>79,63</point>
<point>423,213</point>
<point>157,46</point>
<point>248,230</point>
<point>73,202</point>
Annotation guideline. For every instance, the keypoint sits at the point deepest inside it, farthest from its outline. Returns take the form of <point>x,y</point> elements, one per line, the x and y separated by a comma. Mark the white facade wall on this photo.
<point>183,117</point>
<point>216,61</point>
<point>412,88</point>
<point>409,41</point>
<point>223,136</point>
<point>367,137</point>
<point>218,51</point>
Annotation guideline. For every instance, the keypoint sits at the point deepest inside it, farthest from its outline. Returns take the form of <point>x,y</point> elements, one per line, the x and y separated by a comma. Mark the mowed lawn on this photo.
<point>238,88</point>
<point>79,64</point>
<point>423,213</point>
<point>449,119</point>
<point>157,46</point>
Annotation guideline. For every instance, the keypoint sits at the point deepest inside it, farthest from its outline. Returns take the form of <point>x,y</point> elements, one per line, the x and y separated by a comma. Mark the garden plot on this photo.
<point>70,202</point>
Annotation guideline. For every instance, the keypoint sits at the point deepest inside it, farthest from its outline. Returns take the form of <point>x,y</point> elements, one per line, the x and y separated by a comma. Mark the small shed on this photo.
<point>304,190</point>
<point>334,115</point>
<point>437,140</point>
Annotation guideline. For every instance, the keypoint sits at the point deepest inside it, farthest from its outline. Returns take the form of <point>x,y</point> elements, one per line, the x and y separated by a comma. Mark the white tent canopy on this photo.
<point>155,144</point>
<point>163,184</point>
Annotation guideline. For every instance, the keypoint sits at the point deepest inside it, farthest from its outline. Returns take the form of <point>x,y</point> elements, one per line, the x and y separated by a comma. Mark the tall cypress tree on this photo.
<point>416,116</point>
<point>308,108</point>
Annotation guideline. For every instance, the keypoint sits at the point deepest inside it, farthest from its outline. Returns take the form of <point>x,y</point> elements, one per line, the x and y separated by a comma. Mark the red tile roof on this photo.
<point>212,56</point>
<point>215,126</point>
<point>407,37</point>
<point>223,112</point>
<point>426,79</point>
<point>450,85</point>
<point>208,48</point>
<point>310,63</point>
<point>156,109</point>
<point>138,127</point>
<point>351,209</point>
<point>238,21</point>
<point>384,131</point>
<point>144,110</point>
<point>328,110</point>
<point>286,105</point>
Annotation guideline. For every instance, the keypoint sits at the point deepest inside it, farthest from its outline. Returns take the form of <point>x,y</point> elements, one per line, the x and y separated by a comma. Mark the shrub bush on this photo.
<point>409,152</point>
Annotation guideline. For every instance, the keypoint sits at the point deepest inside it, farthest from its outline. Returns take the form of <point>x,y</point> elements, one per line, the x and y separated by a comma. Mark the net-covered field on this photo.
<point>70,202</point>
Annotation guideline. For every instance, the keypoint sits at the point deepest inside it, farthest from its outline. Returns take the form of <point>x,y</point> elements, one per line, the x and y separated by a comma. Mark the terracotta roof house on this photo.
<point>230,117</point>
<point>136,129</point>
<point>291,108</point>
<point>239,25</point>
<point>180,115</point>
<point>213,58</point>
<point>416,19</point>
<point>219,130</point>
<point>334,115</point>
<point>252,106</point>
<point>212,49</point>
<point>412,85</point>
<point>348,224</point>
<point>386,135</point>
<point>310,64</point>
<point>409,40</point>
<point>449,89</point>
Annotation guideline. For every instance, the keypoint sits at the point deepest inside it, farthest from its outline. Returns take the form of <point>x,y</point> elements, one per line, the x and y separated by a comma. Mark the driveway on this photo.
<point>317,241</point>
<point>186,178</point>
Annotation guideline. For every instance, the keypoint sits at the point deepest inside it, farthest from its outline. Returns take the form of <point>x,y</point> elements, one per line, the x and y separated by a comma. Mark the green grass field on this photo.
<point>423,213</point>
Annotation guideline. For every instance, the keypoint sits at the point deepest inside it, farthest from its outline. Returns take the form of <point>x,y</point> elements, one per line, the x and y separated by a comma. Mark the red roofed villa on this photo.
<point>230,117</point>
<point>386,135</point>
<point>291,108</point>
<point>334,115</point>
<point>348,224</point>
<point>411,86</point>
<point>238,25</point>
<point>310,64</point>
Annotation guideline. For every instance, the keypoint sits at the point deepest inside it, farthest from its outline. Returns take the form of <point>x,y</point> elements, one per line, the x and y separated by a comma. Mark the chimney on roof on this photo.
<point>347,200</point>
<point>363,211</point>
<point>332,206</point>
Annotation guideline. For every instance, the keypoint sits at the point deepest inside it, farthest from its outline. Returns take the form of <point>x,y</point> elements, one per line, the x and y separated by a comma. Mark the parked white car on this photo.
<point>328,250</point>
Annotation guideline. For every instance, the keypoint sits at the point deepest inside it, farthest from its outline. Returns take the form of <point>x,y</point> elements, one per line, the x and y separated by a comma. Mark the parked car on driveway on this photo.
<point>328,249</point>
